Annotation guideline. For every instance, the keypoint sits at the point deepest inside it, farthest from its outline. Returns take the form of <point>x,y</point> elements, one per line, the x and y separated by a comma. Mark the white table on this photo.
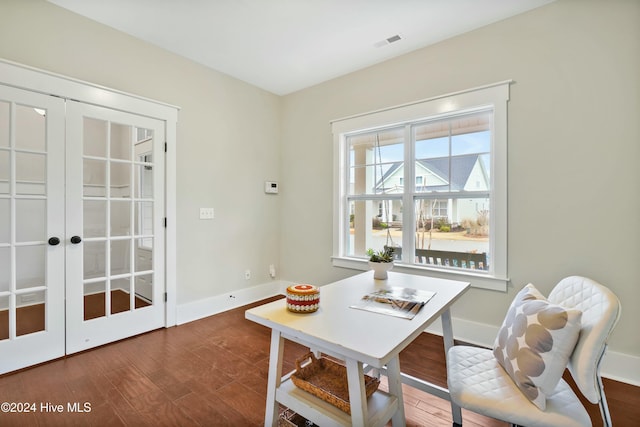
<point>360,338</point>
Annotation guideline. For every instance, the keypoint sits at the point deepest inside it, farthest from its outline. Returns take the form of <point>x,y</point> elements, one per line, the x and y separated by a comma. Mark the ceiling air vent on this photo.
<point>388,40</point>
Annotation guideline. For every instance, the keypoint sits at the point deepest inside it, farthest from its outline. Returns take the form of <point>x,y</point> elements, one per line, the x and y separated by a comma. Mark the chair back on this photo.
<point>600,312</point>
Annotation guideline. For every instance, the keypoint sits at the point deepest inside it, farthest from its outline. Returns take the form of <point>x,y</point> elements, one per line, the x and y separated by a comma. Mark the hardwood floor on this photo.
<point>212,372</point>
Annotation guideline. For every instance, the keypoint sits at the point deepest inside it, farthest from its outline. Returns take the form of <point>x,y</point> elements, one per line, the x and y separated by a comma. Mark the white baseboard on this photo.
<point>621,367</point>
<point>209,306</point>
<point>616,366</point>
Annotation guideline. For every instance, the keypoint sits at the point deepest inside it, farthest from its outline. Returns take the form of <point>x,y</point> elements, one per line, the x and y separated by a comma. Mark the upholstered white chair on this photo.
<point>479,382</point>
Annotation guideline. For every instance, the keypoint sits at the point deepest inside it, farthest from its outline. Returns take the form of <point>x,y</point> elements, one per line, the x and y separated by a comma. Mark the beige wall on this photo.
<point>574,144</point>
<point>228,138</point>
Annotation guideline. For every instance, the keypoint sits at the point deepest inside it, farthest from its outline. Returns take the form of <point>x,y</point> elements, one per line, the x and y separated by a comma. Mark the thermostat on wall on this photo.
<point>271,187</point>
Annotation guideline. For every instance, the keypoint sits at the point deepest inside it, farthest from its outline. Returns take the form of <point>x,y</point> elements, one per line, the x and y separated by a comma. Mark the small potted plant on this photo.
<point>380,262</point>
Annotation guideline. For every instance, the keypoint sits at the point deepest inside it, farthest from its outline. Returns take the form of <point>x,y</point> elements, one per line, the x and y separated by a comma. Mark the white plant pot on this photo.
<point>380,269</point>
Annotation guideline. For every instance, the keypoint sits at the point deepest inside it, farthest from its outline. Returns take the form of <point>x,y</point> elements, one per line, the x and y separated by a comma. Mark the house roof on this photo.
<point>461,168</point>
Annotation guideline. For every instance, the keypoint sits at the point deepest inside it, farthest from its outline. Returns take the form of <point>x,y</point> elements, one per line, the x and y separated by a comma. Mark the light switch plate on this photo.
<point>206,213</point>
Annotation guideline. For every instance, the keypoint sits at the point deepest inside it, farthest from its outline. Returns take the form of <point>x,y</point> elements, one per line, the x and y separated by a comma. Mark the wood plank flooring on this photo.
<point>212,372</point>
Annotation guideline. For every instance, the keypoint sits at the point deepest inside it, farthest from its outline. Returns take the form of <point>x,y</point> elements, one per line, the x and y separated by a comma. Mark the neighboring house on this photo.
<point>457,174</point>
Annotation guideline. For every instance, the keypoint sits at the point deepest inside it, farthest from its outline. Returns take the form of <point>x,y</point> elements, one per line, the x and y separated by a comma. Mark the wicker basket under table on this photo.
<point>327,380</point>
<point>291,419</point>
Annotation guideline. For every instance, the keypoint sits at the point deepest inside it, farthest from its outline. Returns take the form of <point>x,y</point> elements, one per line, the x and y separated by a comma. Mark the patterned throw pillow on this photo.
<point>535,342</point>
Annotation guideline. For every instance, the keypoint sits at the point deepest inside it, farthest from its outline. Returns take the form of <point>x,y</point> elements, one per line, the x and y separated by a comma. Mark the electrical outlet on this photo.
<point>247,274</point>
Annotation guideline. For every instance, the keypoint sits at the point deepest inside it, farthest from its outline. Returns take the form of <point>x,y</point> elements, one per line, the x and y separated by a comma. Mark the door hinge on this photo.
<point>165,222</point>
<point>165,147</point>
<point>165,297</point>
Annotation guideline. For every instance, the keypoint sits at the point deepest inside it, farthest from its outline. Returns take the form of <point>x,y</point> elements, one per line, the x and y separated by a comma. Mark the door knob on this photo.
<point>76,239</point>
<point>53,241</point>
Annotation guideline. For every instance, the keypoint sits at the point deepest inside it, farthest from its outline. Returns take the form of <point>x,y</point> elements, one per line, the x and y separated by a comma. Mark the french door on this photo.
<point>114,223</point>
<point>81,226</point>
<point>31,228</point>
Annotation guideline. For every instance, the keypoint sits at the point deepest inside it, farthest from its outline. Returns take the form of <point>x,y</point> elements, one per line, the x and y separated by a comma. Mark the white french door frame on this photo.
<point>20,350</point>
<point>82,333</point>
<point>43,82</point>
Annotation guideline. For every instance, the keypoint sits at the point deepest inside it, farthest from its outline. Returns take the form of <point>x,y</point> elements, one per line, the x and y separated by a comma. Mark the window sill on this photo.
<point>477,280</point>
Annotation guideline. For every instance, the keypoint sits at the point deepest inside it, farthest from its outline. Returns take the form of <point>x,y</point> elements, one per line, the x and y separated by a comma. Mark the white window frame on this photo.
<point>495,96</point>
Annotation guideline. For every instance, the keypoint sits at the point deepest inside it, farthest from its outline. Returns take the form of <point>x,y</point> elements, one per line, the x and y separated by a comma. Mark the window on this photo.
<point>452,220</point>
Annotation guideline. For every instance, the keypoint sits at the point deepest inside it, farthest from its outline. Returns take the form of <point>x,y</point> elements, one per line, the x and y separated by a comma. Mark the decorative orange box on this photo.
<point>303,298</point>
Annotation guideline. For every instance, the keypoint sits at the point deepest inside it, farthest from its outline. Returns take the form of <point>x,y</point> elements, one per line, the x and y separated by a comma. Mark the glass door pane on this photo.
<point>144,216</point>
<point>4,317</point>
<point>29,222</point>
<point>120,217</point>
<point>118,214</point>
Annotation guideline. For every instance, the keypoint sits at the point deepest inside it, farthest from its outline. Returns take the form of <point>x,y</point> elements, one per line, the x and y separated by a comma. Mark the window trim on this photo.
<point>495,96</point>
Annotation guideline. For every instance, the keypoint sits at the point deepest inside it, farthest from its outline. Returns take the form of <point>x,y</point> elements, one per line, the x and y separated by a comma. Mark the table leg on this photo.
<point>447,335</point>
<point>395,388</point>
<point>357,392</point>
<point>274,379</point>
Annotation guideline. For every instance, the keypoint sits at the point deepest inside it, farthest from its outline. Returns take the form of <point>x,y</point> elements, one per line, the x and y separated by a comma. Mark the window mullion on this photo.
<point>344,182</point>
<point>408,212</point>
<point>453,195</point>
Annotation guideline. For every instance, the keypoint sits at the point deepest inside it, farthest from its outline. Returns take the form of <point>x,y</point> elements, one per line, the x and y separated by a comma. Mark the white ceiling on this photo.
<point>286,45</point>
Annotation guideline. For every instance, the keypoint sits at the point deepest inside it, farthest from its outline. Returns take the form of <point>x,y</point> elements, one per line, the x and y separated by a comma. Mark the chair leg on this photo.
<point>604,407</point>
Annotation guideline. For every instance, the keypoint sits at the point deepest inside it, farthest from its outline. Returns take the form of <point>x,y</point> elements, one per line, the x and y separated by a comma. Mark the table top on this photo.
<point>372,338</point>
